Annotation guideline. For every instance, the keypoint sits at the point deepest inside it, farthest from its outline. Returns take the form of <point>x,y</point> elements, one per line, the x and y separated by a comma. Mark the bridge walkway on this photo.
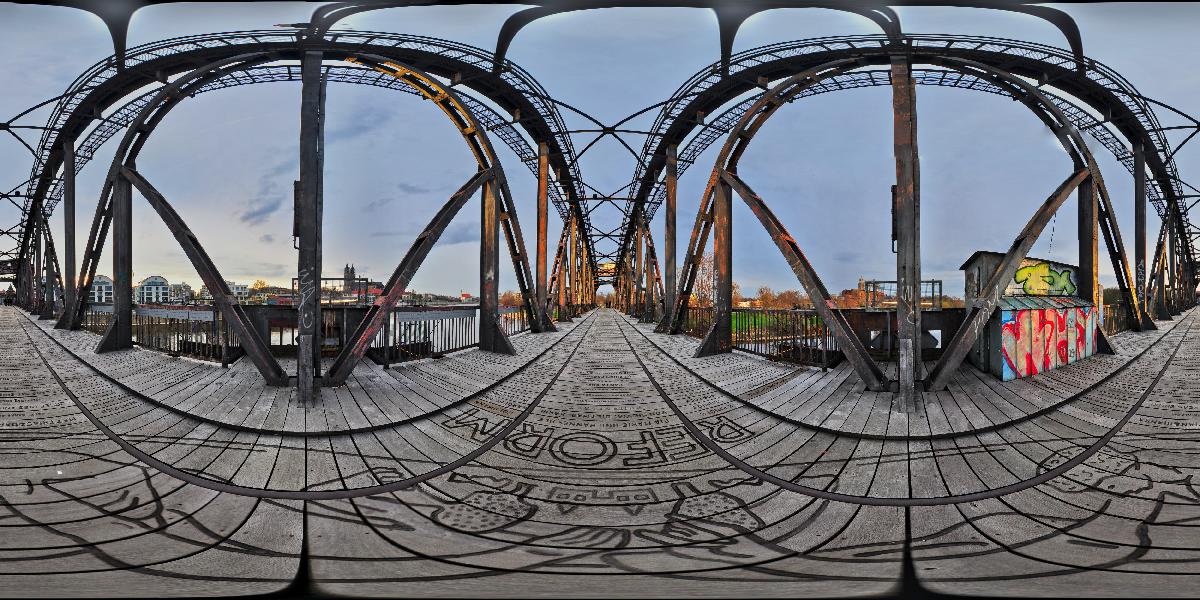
<point>603,455</point>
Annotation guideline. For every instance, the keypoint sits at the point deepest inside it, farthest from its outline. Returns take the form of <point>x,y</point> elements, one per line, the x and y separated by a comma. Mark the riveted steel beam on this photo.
<point>906,212</point>
<point>491,336</point>
<point>377,315</point>
<point>543,212</point>
<point>839,327</point>
<point>119,335</point>
<point>254,346</point>
<point>670,212</point>
<point>69,264</point>
<point>309,212</point>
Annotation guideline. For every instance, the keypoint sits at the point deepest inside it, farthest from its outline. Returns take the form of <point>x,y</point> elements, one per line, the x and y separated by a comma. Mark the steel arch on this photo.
<point>1092,83</point>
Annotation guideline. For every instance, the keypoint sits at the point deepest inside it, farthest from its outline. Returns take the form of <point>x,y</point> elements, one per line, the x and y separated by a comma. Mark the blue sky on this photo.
<point>226,159</point>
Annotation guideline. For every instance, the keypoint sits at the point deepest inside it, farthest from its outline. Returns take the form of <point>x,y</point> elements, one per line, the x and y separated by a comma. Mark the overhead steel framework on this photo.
<point>485,95</point>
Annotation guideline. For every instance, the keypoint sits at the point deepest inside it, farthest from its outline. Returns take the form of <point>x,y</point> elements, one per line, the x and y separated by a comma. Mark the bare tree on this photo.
<point>511,298</point>
<point>702,289</point>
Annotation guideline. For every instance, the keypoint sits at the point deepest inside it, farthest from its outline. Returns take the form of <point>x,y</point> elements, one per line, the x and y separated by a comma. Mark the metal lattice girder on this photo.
<point>378,314</point>
<point>511,88</point>
<point>1105,91</point>
<point>848,342</point>
<point>256,348</point>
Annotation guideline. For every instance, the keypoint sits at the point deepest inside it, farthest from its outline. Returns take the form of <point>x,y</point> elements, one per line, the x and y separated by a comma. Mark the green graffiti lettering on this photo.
<point>1039,279</point>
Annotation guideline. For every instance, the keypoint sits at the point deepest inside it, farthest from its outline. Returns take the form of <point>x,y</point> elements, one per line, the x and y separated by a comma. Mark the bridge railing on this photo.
<point>1116,319</point>
<point>795,335</point>
<point>196,333</point>
<point>413,333</point>
<point>410,332</point>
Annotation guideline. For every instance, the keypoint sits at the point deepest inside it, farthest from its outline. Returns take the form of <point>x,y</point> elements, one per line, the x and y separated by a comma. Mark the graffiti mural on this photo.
<point>1041,278</point>
<point>1038,339</point>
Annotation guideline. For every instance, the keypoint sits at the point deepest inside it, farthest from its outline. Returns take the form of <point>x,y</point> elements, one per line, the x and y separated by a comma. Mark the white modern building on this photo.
<point>240,291</point>
<point>180,293</point>
<point>152,290</point>
<point>101,290</point>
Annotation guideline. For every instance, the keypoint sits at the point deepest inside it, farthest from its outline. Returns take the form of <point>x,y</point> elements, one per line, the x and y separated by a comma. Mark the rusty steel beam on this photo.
<point>1116,251</point>
<point>1157,277</point>
<point>72,315</point>
<point>906,213</point>
<point>256,349</point>
<point>491,336</point>
<point>50,273</point>
<point>119,335</point>
<point>839,327</point>
<point>647,274</point>
<point>1139,233</point>
<point>673,322</point>
<point>377,315</point>
<point>308,229</point>
<point>560,271</point>
<point>543,212</point>
<point>35,289</point>
<point>654,283</point>
<point>981,309</point>
<point>572,268</point>
<point>69,265</point>
<point>720,336</point>
<point>511,226</point>
<point>670,229</point>
<point>638,259</point>
<point>1089,245</point>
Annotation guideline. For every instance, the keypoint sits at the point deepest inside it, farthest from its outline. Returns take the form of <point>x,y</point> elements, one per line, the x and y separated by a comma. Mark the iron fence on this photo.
<point>697,321</point>
<point>514,320</point>
<point>799,336</point>
<point>413,333</point>
<point>795,335</point>
<point>409,333</point>
<point>1116,319</point>
<point>203,334</point>
<point>882,294</point>
<point>426,332</point>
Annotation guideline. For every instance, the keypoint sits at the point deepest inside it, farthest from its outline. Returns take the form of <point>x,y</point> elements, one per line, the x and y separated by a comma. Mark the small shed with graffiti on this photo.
<point>1041,322</point>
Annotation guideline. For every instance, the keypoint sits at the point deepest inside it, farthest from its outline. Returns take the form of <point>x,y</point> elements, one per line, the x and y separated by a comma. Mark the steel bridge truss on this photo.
<point>485,95</point>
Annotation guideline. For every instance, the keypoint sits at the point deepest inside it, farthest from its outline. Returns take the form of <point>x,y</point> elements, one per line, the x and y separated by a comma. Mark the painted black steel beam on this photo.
<point>255,347</point>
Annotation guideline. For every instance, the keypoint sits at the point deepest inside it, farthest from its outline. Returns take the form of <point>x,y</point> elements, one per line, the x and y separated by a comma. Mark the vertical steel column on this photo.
<point>1139,233</point>
<point>1089,248</point>
<point>48,277</point>
<point>649,311</point>
<point>669,231</point>
<point>720,337</point>
<point>119,335</point>
<point>491,337</point>
<point>561,277</point>
<point>1160,265</point>
<point>907,214</point>
<point>1173,287</point>
<point>309,210</point>
<point>573,275</point>
<point>35,287</point>
<point>543,210</point>
<point>69,282</point>
<point>638,255</point>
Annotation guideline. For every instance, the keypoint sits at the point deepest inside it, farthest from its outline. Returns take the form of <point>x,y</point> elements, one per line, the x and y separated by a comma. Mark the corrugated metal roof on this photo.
<point>1035,302</point>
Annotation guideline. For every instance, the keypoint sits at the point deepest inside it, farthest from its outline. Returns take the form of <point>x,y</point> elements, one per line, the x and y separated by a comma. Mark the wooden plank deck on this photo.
<point>602,455</point>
